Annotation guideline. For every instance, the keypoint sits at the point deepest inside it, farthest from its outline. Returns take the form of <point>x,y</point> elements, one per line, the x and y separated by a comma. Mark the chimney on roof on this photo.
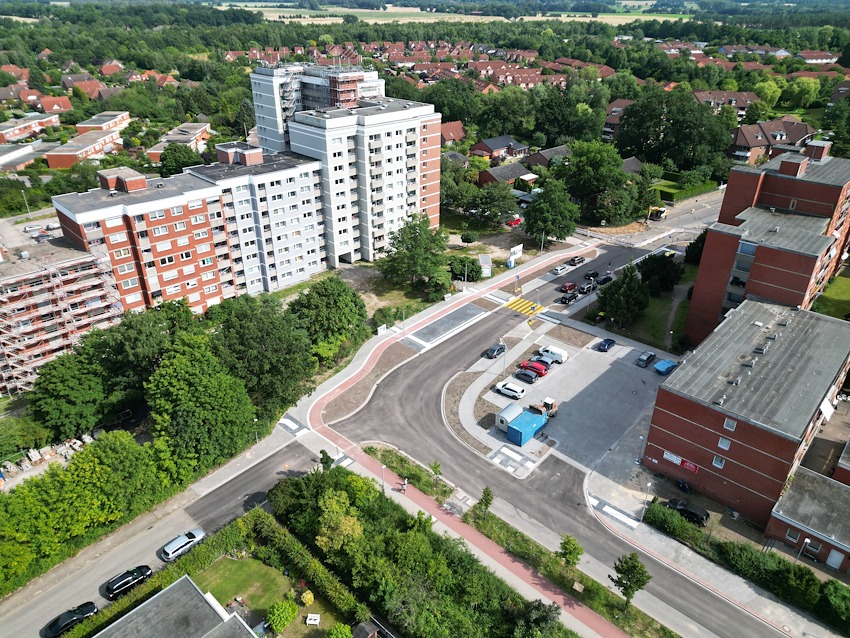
<point>817,149</point>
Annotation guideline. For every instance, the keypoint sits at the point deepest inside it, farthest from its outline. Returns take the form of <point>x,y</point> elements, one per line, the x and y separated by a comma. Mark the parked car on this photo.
<point>568,286</point>
<point>569,298</point>
<point>645,358</point>
<point>32,228</point>
<point>559,270</point>
<point>577,260</point>
<point>122,583</point>
<point>66,620</point>
<point>516,221</point>
<point>591,274</point>
<point>543,360</point>
<point>182,544</point>
<point>605,345</point>
<point>53,226</point>
<point>665,367</point>
<point>526,375</point>
<point>537,368</point>
<point>510,390</point>
<point>496,350</point>
<point>604,279</point>
<point>551,352</point>
<point>588,288</point>
<point>693,513</point>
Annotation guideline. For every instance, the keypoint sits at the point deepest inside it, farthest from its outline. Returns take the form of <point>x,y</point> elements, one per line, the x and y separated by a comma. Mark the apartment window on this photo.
<point>173,290</point>
<point>247,231</point>
<point>208,275</point>
<point>136,296</point>
<point>814,546</point>
<point>337,154</point>
<point>177,210</point>
<point>118,237</point>
<point>209,289</point>
<point>157,214</point>
<point>792,535</point>
<point>746,248</point>
<point>718,462</point>
<point>246,216</point>
<point>180,226</point>
<point>186,255</point>
<point>123,269</point>
<point>274,183</point>
<point>335,140</point>
<point>206,261</point>
<point>197,219</point>
<point>182,241</point>
<point>130,283</point>
<point>338,168</point>
<point>196,204</point>
<point>241,189</point>
<point>290,180</point>
<point>200,234</point>
<point>192,283</point>
<point>279,196</point>
<point>124,252</point>
<point>243,202</point>
<point>724,443</point>
<point>730,425</point>
<point>166,261</point>
<point>171,274</point>
<point>160,230</point>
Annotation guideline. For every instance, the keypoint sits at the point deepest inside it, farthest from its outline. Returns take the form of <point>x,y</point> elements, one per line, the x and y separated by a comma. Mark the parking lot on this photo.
<point>599,396</point>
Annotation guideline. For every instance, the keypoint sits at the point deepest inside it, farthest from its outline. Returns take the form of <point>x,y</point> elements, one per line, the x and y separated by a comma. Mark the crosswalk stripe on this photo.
<point>525,306</point>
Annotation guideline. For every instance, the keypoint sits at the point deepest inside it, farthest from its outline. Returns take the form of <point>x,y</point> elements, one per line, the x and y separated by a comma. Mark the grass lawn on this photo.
<point>453,222</point>
<point>835,300</point>
<point>261,586</point>
<point>416,475</point>
<point>298,288</point>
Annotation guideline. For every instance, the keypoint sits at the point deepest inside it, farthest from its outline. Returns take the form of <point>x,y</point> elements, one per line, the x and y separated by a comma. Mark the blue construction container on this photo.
<point>525,427</point>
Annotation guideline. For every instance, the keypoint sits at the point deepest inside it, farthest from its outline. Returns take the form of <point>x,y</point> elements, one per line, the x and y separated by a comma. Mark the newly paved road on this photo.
<point>405,411</point>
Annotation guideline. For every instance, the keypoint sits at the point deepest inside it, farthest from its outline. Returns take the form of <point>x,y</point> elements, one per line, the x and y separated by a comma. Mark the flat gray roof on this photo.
<point>271,163</point>
<point>785,386</point>
<point>99,197</point>
<point>817,502</point>
<point>24,119</point>
<point>102,118</point>
<point>180,609</point>
<point>832,171</point>
<point>372,106</point>
<point>789,231</point>
<point>85,140</point>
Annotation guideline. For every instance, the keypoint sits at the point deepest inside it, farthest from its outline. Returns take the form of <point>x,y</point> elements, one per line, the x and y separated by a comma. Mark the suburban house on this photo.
<point>50,104</point>
<point>26,126</point>
<point>499,148</point>
<point>190,134</point>
<point>739,100</point>
<point>454,156</point>
<point>70,79</point>
<point>545,156</point>
<point>839,92</point>
<point>91,88</point>
<point>613,113</point>
<point>451,132</point>
<point>752,142</point>
<point>507,173</point>
<point>781,235</point>
<point>817,57</point>
<point>735,418</point>
<point>105,121</point>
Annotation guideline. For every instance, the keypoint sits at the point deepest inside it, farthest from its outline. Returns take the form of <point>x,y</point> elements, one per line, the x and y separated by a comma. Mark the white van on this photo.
<point>556,354</point>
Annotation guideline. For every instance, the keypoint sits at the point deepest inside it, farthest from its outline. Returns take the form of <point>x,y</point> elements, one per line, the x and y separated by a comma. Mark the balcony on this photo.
<point>410,137</point>
<point>375,144</point>
<point>412,163</point>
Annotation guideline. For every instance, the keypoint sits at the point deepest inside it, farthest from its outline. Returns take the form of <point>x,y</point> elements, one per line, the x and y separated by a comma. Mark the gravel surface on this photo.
<point>352,399</point>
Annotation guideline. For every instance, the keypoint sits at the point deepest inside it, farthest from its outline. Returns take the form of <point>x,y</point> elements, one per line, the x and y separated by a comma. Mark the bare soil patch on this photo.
<point>486,304</point>
<point>364,279</point>
<point>451,408</point>
<point>352,399</point>
<point>634,227</point>
<point>570,336</point>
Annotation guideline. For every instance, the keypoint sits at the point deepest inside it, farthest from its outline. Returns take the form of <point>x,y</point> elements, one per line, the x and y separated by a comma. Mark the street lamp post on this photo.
<point>383,485</point>
<point>645,500</point>
<point>256,434</point>
<point>26,203</point>
<point>805,544</point>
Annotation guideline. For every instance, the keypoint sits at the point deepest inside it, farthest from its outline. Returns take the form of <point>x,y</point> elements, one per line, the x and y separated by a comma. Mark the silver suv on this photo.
<point>182,544</point>
<point>645,359</point>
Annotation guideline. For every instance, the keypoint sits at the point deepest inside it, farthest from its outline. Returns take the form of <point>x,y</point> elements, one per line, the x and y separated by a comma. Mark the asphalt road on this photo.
<point>403,414</point>
<point>83,578</point>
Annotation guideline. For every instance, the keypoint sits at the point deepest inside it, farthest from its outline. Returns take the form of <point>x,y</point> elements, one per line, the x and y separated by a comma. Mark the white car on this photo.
<point>32,228</point>
<point>510,390</point>
<point>559,270</point>
<point>54,226</point>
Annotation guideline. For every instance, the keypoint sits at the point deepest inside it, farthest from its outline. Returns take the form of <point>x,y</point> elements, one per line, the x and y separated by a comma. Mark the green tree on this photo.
<point>551,213</point>
<point>801,92</point>
<point>437,469</point>
<point>768,92</point>
<point>756,112</point>
<point>256,341</point>
<point>693,252</point>
<point>494,204</point>
<point>484,503</point>
<point>176,157</point>
<point>625,298</point>
<point>438,286</point>
<point>594,171</point>
<point>465,268</point>
<point>205,412</point>
<point>728,116</point>
<point>281,615</point>
<point>662,267</point>
<point>631,576</point>
<point>68,396</point>
<point>417,252</point>
<point>21,433</point>
<point>339,631</point>
<point>837,118</point>
<point>570,551</point>
<point>334,317</point>
<point>456,99</point>
<point>338,522</point>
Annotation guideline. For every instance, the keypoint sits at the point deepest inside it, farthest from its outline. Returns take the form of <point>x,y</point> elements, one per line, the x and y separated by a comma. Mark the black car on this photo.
<point>689,511</point>
<point>526,375</point>
<point>569,298</point>
<point>577,260</point>
<point>65,621</point>
<point>605,345</point>
<point>122,583</point>
<point>588,288</point>
<point>591,274</point>
<point>604,279</point>
<point>496,350</point>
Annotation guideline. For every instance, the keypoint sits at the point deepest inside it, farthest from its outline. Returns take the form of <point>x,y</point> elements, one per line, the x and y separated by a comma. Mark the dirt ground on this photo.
<point>451,407</point>
<point>353,398</point>
<point>570,336</point>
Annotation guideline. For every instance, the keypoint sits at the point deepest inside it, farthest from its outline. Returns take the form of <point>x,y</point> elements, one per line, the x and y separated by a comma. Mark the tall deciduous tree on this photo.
<point>570,550</point>
<point>768,92</point>
<point>801,92</point>
<point>664,268</point>
<point>551,213</point>
<point>416,252</point>
<point>594,170</point>
<point>176,157</point>
<point>494,204</point>
<point>631,576</point>
<point>625,298</point>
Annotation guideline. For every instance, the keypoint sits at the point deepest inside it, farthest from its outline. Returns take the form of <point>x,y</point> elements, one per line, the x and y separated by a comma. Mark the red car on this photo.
<point>516,221</point>
<point>568,287</point>
<point>537,368</point>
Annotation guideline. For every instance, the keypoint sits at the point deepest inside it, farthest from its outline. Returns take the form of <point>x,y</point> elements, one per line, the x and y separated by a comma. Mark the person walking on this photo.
<point>404,487</point>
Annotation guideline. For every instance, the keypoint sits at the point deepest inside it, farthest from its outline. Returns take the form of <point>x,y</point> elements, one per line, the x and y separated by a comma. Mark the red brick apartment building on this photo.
<point>26,126</point>
<point>106,121</point>
<point>735,419</point>
<point>781,235</point>
<point>89,145</point>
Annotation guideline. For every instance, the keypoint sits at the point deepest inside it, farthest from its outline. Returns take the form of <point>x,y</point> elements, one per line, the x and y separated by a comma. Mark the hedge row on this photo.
<point>280,548</point>
<point>793,583</point>
<point>669,194</point>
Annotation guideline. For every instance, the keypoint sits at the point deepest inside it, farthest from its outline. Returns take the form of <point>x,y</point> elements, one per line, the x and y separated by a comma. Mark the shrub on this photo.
<point>835,604</point>
<point>281,614</point>
<point>384,316</point>
<point>462,266</point>
<point>468,237</point>
<point>339,631</point>
<point>693,253</point>
<point>307,598</point>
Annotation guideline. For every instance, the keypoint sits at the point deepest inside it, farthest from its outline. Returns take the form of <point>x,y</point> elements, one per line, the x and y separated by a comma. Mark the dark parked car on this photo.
<point>646,358</point>
<point>689,511</point>
<point>569,298</point>
<point>545,361</point>
<point>65,621</point>
<point>604,279</point>
<point>122,583</point>
<point>588,288</point>
<point>496,350</point>
<point>591,274</point>
<point>605,345</point>
<point>577,260</point>
<point>526,375</point>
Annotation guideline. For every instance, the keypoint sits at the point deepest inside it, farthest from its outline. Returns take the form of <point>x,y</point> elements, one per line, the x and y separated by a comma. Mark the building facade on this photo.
<point>735,419</point>
<point>106,121</point>
<point>26,126</point>
<point>781,235</point>
<point>91,145</point>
